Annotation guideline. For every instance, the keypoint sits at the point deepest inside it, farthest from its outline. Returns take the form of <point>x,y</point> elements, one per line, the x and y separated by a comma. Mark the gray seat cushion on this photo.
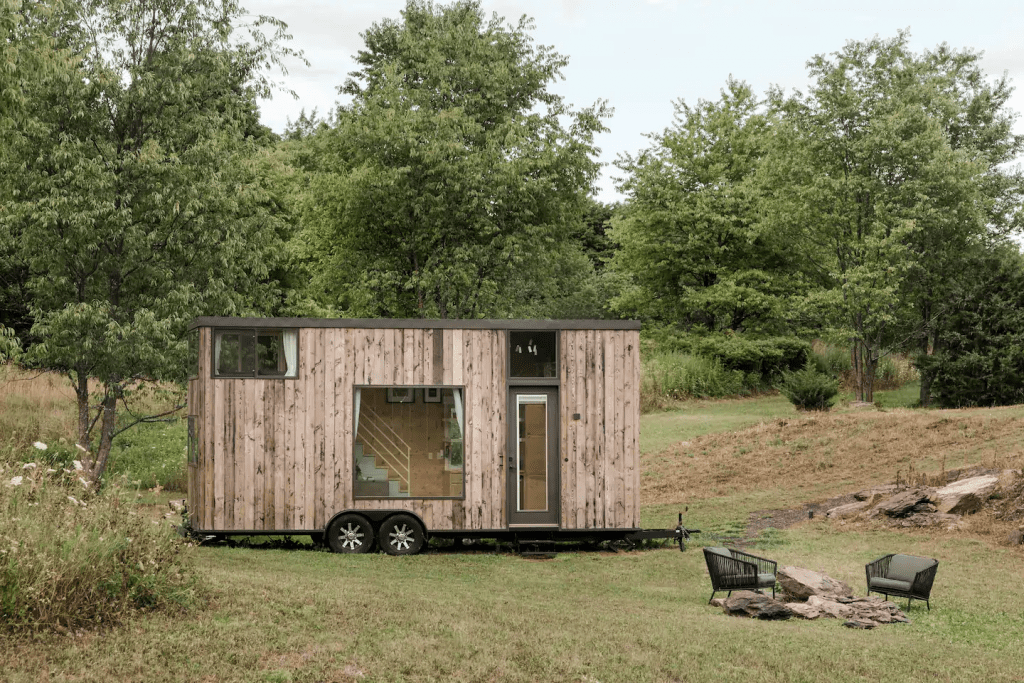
<point>880,585</point>
<point>763,580</point>
<point>906,567</point>
<point>720,551</point>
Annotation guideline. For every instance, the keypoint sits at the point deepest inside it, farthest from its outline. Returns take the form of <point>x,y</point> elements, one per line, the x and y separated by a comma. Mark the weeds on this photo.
<point>671,377</point>
<point>71,557</point>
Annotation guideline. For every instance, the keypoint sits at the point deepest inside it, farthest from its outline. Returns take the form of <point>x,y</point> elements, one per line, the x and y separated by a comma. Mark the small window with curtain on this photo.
<point>256,353</point>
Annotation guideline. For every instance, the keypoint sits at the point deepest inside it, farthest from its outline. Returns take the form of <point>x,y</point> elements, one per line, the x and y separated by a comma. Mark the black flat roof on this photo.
<point>417,323</point>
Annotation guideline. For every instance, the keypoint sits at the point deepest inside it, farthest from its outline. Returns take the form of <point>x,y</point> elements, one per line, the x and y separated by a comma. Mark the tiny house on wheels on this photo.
<point>359,432</point>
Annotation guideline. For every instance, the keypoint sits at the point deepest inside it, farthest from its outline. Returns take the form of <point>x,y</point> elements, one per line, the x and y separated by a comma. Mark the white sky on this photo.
<point>641,55</point>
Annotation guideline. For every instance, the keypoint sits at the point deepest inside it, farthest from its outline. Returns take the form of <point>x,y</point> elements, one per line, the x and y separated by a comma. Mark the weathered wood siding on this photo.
<point>600,375</point>
<point>276,454</point>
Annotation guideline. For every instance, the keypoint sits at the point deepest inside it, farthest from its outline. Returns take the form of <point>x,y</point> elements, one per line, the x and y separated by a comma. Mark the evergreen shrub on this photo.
<point>809,389</point>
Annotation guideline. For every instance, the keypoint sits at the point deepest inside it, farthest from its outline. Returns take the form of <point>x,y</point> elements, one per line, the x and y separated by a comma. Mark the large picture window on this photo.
<point>256,353</point>
<point>408,448</point>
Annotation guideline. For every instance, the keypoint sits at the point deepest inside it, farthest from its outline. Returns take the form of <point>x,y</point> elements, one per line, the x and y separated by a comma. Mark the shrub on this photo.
<point>73,558</point>
<point>809,389</point>
<point>762,360</point>
<point>674,376</point>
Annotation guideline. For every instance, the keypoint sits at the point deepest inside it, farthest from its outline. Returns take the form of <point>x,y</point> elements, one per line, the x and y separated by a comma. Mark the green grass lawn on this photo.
<point>588,616</point>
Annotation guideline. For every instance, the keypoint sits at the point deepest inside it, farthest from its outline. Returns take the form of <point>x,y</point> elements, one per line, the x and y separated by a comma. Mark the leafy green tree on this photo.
<point>981,362</point>
<point>689,237</point>
<point>864,170</point>
<point>455,176</point>
<point>135,202</point>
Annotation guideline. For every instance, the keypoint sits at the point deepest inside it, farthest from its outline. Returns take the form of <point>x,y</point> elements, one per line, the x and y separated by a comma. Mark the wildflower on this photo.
<point>15,481</point>
<point>84,482</point>
<point>28,466</point>
<point>81,448</point>
<point>77,464</point>
<point>50,471</point>
<point>40,445</point>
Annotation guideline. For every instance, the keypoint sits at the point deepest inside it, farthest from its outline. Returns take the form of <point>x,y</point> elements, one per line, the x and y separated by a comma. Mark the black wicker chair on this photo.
<point>905,576</point>
<point>733,570</point>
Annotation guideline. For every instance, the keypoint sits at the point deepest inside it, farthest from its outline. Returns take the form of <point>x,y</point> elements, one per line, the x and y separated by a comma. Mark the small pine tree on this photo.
<point>809,389</point>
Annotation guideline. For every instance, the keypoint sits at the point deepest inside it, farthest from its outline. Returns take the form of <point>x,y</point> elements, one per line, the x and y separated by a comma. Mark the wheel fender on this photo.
<point>377,518</point>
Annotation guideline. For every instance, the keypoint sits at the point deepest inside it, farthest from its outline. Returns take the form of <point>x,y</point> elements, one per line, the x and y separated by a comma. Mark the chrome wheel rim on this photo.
<point>401,537</point>
<point>351,536</point>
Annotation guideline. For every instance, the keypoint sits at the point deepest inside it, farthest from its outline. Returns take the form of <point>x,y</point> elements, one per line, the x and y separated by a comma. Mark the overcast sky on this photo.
<point>641,55</point>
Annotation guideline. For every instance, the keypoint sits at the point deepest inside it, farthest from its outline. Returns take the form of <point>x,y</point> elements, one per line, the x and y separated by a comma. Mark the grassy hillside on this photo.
<point>304,615</point>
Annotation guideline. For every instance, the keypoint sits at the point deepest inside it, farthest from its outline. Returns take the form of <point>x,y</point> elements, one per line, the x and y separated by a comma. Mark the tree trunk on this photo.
<point>107,425</point>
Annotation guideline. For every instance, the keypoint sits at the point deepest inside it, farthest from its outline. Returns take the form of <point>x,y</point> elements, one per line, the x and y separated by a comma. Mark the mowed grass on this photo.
<point>304,615</point>
<point>641,616</point>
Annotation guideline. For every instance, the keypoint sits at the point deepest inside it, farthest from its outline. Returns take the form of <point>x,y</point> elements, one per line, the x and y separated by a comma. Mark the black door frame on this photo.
<point>551,516</point>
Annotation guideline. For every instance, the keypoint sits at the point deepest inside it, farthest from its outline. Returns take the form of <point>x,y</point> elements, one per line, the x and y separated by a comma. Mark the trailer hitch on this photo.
<point>683,534</point>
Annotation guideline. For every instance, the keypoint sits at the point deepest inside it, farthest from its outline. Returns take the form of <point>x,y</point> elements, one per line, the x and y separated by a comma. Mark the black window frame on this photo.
<point>419,399</point>
<point>512,380</point>
<point>255,332</point>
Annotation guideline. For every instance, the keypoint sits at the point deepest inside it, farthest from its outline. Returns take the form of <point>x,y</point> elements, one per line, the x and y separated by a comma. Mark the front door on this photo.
<point>533,456</point>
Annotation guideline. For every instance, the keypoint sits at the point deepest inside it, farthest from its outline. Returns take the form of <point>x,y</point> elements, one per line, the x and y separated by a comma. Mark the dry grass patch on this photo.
<point>36,406</point>
<point>808,458</point>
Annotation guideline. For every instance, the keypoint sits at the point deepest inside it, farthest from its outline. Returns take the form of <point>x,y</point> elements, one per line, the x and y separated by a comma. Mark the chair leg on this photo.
<point>712,597</point>
<point>929,604</point>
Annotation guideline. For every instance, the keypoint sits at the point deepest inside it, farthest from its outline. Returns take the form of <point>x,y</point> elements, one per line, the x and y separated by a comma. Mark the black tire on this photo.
<point>402,535</point>
<point>350,533</point>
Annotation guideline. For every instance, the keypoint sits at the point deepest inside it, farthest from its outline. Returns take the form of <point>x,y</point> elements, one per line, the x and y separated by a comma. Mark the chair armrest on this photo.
<point>878,569</point>
<point>923,581</point>
<point>764,566</point>
<point>720,566</point>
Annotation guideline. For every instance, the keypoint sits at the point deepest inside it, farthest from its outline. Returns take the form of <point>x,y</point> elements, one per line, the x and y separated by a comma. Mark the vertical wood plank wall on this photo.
<point>276,454</point>
<point>600,374</point>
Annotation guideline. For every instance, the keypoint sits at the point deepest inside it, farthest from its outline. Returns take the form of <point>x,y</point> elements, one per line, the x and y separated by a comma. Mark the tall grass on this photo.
<point>72,558</point>
<point>894,370</point>
<point>672,376</point>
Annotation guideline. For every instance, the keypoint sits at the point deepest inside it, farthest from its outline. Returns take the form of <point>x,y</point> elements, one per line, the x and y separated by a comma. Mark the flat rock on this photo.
<point>848,510</point>
<point>966,496</point>
<point>930,519</point>
<point>756,605</point>
<point>800,584</point>
<point>804,610</point>
<point>902,504</point>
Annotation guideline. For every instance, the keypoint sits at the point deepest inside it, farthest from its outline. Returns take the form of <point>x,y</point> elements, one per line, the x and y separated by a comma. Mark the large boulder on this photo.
<point>905,503</point>
<point>751,604</point>
<point>800,584</point>
<point>966,496</point>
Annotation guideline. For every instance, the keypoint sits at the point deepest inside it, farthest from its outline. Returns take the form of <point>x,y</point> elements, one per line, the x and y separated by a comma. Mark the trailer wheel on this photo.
<point>350,533</point>
<point>402,535</point>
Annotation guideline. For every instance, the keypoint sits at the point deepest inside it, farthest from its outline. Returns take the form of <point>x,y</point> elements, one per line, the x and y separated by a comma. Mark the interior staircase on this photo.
<point>372,469</point>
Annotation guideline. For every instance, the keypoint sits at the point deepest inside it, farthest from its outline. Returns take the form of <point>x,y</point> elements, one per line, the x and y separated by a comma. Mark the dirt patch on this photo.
<point>760,520</point>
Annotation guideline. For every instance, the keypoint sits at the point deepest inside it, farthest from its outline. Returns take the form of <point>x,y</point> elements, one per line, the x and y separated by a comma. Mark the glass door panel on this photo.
<point>532,460</point>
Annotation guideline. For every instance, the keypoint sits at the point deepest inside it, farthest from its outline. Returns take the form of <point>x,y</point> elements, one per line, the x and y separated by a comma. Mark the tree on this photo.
<point>981,362</point>
<point>135,203</point>
<point>864,170</point>
<point>453,175</point>
<point>690,240</point>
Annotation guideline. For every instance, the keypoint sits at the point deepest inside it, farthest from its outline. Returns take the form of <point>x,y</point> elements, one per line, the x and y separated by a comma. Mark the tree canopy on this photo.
<point>132,198</point>
<point>453,183</point>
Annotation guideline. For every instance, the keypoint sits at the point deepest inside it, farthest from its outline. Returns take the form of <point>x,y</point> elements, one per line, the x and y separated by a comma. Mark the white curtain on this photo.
<point>359,396</point>
<point>290,338</point>
<point>457,394</point>
<point>216,352</point>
